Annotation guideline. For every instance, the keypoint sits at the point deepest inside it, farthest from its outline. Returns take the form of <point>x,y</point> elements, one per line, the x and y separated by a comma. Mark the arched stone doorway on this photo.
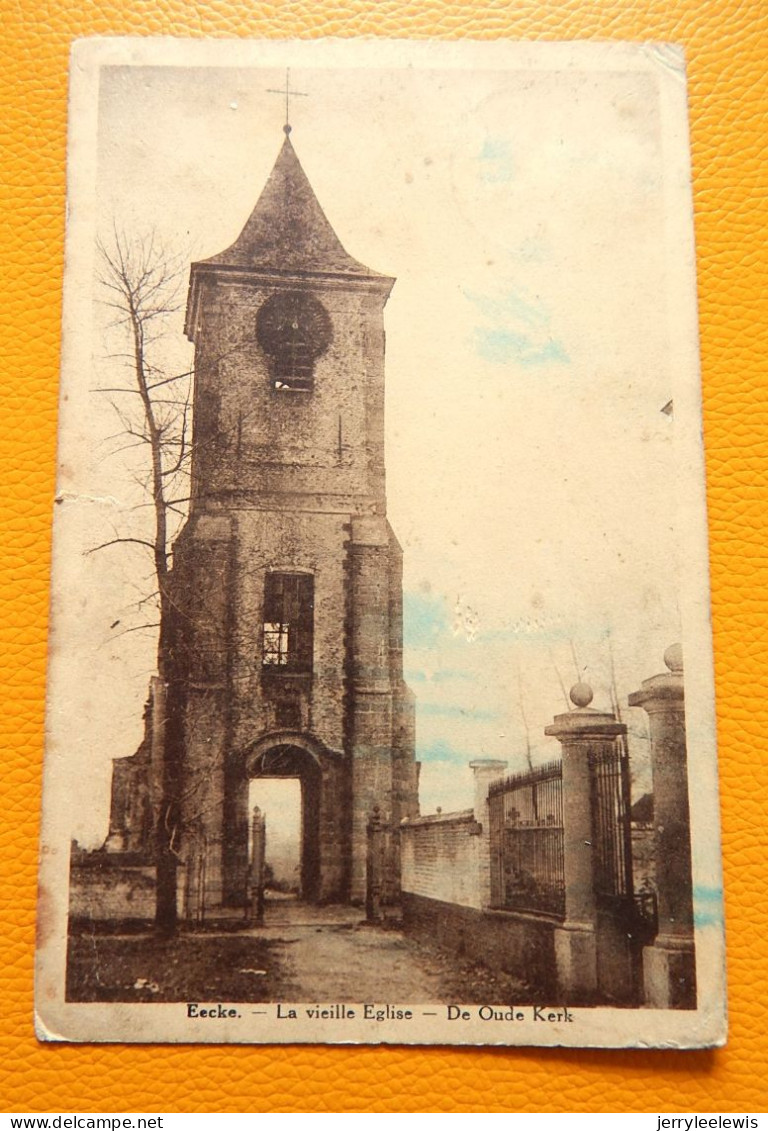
<point>299,757</point>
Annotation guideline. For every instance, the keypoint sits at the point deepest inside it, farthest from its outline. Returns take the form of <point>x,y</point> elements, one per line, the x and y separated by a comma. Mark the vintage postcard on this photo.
<point>381,701</point>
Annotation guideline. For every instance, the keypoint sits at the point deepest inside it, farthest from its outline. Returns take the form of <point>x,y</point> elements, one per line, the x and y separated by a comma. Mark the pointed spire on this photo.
<point>288,230</point>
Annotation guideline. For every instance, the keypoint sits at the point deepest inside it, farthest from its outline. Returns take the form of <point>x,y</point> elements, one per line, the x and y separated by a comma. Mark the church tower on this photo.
<point>286,644</point>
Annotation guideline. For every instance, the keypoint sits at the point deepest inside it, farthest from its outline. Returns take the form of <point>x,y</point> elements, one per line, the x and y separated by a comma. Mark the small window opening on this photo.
<point>288,622</point>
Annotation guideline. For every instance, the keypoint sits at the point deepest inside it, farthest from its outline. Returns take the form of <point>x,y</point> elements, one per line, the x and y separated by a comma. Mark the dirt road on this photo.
<point>330,954</point>
<point>301,953</point>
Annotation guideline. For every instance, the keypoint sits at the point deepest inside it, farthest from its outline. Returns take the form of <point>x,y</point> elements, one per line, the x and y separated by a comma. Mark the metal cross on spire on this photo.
<point>288,95</point>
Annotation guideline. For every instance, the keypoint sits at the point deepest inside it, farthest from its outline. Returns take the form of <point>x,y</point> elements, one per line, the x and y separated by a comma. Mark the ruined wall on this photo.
<point>110,888</point>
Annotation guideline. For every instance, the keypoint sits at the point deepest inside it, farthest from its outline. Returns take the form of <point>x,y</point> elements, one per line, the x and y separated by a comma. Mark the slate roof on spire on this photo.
<point>288,230</point>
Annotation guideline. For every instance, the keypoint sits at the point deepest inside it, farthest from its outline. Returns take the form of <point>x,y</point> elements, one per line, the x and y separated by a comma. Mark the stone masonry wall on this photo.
<point>111,891</point>
<point>262,441</point>
<point>519,945</point>
<point>441,858</point>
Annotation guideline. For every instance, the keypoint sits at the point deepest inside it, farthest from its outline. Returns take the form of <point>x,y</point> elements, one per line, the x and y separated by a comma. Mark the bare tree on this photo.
<point>142,282</point>
<point>563,692</point>
<point>524,718</point>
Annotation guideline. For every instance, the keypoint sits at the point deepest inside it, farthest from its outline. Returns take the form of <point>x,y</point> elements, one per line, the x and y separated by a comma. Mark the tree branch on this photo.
<point>117,541</point>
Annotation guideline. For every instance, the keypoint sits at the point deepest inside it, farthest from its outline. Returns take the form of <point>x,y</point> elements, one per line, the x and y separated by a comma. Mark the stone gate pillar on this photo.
<point>254,905</point>
<point>669,968</point>
<point>580,732</point>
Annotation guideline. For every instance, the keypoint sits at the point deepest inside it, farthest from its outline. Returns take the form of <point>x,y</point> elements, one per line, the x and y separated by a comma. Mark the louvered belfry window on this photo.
<point>294,329</point>
<point>288,622</point>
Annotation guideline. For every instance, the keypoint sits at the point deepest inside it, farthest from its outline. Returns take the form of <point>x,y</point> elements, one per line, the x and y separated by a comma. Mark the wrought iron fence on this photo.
<point>612,836</point>
<point>526,841</point>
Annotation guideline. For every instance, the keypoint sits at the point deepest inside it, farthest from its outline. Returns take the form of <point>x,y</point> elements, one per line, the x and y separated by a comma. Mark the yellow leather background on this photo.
<point>726,43</point>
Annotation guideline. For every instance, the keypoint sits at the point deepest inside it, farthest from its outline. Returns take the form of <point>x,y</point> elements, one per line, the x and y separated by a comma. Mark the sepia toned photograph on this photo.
<point>380,687</point>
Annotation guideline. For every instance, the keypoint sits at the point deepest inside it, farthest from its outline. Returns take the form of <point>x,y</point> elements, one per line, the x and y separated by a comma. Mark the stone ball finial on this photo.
<point>581,695</point>
<point>673,658</point>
